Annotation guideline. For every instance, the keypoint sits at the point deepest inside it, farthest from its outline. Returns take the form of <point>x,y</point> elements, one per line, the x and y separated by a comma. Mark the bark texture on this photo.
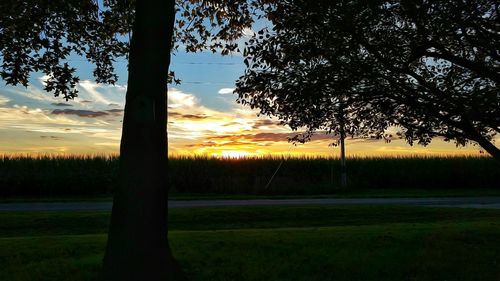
<point>137,246</point>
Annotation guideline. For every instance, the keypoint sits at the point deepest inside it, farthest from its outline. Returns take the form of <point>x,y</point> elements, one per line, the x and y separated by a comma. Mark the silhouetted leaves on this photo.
<point>40,36</point>
<point>45,36</point>
<point>430,68</point>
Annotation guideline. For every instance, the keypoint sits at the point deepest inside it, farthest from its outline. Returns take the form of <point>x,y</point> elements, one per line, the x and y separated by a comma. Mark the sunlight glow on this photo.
<point>234,154</point>
<point>29,125</point>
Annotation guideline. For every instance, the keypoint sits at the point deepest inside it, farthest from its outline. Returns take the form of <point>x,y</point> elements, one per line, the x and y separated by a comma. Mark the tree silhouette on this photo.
<point>429,68</point>
<point>38,36</point>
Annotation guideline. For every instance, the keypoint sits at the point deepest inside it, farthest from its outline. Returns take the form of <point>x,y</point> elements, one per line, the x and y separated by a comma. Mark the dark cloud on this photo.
<point>86,101</point>
<point>230,143</point>
<point>116,110</point>
<point>113,104</point>
<point>264,123</point>
<point>267,137</point>
<point>178,115</point>
<point>194,116</point>
<point>271,136</point>
<point>254,137</point>
<point>80,113</point>
<point>61,104</point>
<point>173,114</point>
<point>51,137</point>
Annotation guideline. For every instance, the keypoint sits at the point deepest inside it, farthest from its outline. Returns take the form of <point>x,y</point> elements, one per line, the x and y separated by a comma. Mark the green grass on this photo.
<point>376,252</point>
<point>349,193</point>
<point>70,223</point>
<point>355,193</point>
<point>272,243</point>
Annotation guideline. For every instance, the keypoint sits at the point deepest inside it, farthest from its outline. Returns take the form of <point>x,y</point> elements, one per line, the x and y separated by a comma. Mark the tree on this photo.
<point>38,36</point>
<point>298,77</point>
<point>430,68</point>
<point>137,247</point>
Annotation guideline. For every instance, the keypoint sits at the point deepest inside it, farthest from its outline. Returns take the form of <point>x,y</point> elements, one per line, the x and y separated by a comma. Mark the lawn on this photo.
<point>272,243</point>
<point>341,193</point>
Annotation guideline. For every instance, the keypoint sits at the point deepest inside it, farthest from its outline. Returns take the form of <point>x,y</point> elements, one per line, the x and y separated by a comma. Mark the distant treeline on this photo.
<point>88,176</point>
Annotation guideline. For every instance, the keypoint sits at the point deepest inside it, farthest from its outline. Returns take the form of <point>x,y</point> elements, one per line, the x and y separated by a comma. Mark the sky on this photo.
<point>204,118</point>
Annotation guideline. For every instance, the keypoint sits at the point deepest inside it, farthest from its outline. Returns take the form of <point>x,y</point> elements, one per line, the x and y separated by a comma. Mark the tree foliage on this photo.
<point>44,36</point>
<point>39,36</point>
<point>429,67</point>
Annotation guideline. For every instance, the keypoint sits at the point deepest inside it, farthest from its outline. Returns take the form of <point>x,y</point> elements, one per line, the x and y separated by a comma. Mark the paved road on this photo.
<point>463,202</point>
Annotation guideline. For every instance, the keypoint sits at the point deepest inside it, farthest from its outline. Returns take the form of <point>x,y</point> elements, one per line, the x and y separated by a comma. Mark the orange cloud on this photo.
<point>93,126</point>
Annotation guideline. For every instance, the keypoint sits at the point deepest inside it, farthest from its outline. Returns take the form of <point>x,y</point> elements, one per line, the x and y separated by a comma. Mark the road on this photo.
<point>462,202</point>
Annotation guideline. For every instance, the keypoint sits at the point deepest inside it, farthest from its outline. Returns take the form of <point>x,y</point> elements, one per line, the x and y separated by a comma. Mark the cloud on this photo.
<point>225,144</point>
<point>22,119</point>
<point>93,125</point>
<point>30,118</point>
<point>265,123</point>
<point>91,95</point>
<point>177,116</point>
<point>51,137</point>
<point>178,99</point>
<point>91,89</point>
<point>248,32</point>
<point>100,96</point>
<point>263,137</point>
<point>30,94</point>
<point>259,137</point>
<point>115,110</point>
<point>232,123</point>
<point>194,116</point>
<point>189,117</point>
<point>62,104</point>
<point>3,100</point>
<point>80,112</point>
<point>225,91</point>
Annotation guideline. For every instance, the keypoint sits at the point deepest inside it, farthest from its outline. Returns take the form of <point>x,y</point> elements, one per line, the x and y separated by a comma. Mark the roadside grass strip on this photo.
<point>274,243</point>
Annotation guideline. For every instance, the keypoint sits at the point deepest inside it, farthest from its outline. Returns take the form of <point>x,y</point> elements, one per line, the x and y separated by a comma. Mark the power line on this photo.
<point>185,63</point>
<point>208,63</point>
<point>206,82</point>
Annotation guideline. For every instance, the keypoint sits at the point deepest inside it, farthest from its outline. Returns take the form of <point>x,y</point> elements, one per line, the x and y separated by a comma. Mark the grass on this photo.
<point>350,193</point>
<point>87,177</point>
<point>395,252</point>
<point>355,193</point>
<point>272,243</point>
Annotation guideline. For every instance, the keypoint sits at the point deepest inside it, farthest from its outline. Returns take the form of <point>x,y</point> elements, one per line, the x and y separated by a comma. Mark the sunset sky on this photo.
<point>204,118</point>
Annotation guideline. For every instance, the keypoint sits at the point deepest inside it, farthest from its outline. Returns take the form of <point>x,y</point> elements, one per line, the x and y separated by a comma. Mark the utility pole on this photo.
<point>343,169</point>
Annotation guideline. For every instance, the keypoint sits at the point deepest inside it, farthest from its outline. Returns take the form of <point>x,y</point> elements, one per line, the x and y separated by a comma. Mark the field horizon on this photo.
<point>85,175</point>
<point>247,157</point>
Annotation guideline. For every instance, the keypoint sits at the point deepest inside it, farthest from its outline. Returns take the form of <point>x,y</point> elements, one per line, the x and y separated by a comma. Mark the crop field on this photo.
<point>271,243</point>
<point>47,176</point>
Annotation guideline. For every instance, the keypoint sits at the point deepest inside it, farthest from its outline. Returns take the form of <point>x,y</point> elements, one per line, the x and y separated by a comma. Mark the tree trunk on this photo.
<point>137,246</point>
<point>489,147</point>
<point>343,168</point>
<point>474,135</point>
